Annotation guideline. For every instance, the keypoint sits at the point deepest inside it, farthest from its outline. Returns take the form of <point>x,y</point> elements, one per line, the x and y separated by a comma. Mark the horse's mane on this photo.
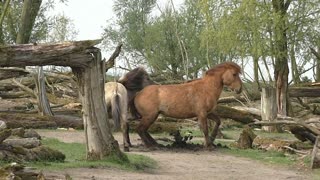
<point>133,80</point>
<point>224,66</point>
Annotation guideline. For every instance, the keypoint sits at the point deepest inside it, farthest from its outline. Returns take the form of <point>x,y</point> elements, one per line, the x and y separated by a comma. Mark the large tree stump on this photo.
<point>268,107</point>
<point>99,139</point>
<point>246,138</point>
<point>315,160</point>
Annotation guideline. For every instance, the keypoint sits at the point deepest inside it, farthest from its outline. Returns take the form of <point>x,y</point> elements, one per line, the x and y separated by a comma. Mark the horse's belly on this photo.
<point>176,112</point>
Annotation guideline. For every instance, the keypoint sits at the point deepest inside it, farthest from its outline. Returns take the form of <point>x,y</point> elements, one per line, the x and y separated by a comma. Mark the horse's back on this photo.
<point>112,89</point>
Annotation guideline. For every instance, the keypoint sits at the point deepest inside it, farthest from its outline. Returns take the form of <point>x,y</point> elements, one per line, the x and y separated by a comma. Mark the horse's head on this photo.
<point>230,76</point>
<point>136,79</point>
<point>147,81</point>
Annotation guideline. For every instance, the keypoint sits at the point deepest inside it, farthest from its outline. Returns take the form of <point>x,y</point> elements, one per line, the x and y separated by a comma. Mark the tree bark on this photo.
<point>99,139</point>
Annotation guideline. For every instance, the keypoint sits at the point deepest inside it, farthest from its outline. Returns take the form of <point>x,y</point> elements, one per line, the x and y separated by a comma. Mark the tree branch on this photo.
<point>115,54</point>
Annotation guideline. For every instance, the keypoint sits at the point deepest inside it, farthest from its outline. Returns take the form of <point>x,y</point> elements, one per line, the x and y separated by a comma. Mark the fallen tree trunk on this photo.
<point>304,92</point>
<point>52,78</point>
<point>14,95</point>
<point>6,73</point>
<point>244,117</point>
<point>38,122</point>
<point>23,142</point>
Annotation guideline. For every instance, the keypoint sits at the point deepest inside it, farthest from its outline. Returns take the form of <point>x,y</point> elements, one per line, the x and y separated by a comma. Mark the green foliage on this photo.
<point>45,29</point>
<point>75,158</point>
<point>214,31</point>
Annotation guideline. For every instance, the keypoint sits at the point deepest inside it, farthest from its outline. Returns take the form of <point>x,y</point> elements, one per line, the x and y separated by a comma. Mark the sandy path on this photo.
<point>180,165</point>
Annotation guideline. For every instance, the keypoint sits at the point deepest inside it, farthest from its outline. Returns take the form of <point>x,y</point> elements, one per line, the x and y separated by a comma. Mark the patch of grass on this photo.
<point>273,157</point>
<point>75,158</point>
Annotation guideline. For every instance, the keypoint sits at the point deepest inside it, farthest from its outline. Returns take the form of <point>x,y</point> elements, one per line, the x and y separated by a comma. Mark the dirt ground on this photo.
<point>182,165</point>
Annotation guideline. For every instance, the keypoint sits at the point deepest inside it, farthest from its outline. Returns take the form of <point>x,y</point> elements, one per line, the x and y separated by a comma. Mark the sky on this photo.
<point>89,17</point>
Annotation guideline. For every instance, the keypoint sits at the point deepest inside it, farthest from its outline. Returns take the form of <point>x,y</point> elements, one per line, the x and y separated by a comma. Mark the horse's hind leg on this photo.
<point>125,130</point>
<point>217,120</point>
<point>142,128</point>
<point>125,134</point>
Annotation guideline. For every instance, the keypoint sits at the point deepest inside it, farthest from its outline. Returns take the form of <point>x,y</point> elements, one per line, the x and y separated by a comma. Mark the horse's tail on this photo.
<point>116,110</point>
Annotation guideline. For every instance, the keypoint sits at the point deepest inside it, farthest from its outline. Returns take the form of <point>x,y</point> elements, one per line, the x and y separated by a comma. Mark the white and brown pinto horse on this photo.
<point>197,98</point>
<point>117,96</point>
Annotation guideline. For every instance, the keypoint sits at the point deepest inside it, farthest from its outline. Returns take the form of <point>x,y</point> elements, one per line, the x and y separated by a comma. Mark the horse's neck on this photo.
<point>214,85</point>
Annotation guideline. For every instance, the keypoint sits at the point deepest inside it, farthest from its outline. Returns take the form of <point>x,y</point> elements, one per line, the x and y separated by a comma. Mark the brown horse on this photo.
<point>118,94</point>
<point>197,98</point>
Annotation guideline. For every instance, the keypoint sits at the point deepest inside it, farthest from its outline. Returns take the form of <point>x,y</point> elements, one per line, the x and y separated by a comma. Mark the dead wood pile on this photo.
<point>23,145</point>
<point>20,145</point>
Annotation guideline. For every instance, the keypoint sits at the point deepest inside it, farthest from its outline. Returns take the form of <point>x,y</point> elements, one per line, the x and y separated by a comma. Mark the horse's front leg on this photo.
<point>204,126</point>
<point>217,121</point>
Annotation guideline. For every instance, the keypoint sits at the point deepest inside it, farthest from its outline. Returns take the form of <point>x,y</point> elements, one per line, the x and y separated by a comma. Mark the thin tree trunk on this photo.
<point>43,102</point>
<point>281,55</point>
<point>3,14</point>
<point>267,68</point>
<point>294,67</point>
<point>256,70</point>
<point>317,54</point>
<point>29,13</point>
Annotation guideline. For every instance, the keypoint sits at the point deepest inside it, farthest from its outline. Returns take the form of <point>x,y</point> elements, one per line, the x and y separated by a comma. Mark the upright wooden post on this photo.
<point>269,107</point>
